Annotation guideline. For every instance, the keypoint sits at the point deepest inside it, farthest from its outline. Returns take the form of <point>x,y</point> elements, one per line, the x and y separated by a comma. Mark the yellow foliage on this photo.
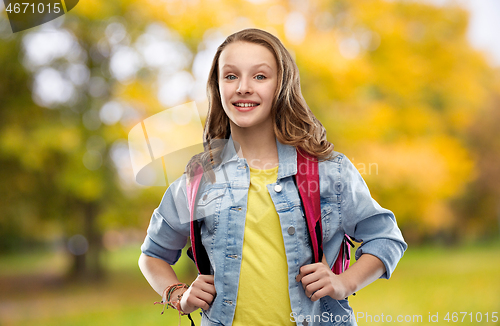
<point>418,176</point>
<point>142,94</point>
<point>399,105</point>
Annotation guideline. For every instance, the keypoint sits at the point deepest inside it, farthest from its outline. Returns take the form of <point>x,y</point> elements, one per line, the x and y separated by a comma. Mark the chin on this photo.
<point>241,124</point>
<point>250,124</point>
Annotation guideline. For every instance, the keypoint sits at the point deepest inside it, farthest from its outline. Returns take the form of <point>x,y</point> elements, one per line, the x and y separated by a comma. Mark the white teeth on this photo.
<point>245,105</point>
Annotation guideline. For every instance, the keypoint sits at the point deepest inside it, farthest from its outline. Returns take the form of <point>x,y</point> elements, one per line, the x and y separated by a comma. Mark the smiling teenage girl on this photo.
<point>253,227</point>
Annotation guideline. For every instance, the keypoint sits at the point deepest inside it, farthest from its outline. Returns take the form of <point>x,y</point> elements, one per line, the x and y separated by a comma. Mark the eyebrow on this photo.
<point>255,66</point>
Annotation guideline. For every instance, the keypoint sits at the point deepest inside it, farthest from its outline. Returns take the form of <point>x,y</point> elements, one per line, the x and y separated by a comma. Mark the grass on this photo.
<point>437,280</point>
<point>33,292</point>
<point>428,281</point>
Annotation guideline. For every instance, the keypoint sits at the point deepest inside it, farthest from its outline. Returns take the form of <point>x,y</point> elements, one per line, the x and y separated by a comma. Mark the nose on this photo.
<point>244,87</point>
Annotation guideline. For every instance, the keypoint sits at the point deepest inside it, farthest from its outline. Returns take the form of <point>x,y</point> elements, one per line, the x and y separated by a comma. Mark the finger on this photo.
<point>309,279</point>
<point>318,294</point>
<point>310,268</point>
<point>304,270</point>
<point>202,289</point>
<point>206,287</point>
<point>201,280</point>
<point>207,278</point>
<point>209,287</point>
<point>205,296</point>
<point>313,287</point>
<point>198,298</point>
<point>198,303</point>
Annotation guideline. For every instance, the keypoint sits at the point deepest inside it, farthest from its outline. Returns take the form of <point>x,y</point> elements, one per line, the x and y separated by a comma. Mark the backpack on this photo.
<point>307,182</point>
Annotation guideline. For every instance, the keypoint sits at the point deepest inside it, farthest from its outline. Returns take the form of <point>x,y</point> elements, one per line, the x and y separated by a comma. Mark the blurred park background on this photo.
<point>398,85</point>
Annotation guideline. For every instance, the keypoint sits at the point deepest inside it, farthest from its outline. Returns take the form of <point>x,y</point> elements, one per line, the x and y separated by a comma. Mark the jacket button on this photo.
<point>277,188</point>
<point>205,197</point>
<point>291,230</point>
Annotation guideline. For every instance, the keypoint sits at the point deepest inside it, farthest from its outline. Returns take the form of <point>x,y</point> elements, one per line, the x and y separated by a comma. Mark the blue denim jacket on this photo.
<point>346,207</point>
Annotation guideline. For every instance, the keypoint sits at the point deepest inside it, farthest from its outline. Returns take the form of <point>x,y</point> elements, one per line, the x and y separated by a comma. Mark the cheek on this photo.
<point>225,100</point>
<point>269,87</point>
<point>269,93</point>
<point>224,91</point>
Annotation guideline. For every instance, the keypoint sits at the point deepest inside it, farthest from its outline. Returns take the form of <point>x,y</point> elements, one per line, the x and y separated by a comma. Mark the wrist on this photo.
<point>177,298</point>
<point>349,287</point>
<point>177,304</point>
<point>172,299</point>
<point>172,295</point>
<point>177,294</point>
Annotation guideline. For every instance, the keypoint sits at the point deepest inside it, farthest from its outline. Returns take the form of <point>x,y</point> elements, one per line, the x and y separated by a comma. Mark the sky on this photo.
<point>484,25</point>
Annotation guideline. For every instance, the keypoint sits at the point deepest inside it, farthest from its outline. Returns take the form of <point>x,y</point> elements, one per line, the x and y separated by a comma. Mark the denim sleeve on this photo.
<point>169,226</point>
<point>365,220</point>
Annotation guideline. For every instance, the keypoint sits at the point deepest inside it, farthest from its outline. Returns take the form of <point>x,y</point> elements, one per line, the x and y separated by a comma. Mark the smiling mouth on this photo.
<point>245,105</point>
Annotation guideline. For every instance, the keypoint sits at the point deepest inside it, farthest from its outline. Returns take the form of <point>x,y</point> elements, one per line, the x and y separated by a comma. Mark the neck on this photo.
<point>257,146</point>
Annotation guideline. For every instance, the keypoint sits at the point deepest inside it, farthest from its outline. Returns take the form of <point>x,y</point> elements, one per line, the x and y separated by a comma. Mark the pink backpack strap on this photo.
<point>344,257</point>
<point>307,179</point>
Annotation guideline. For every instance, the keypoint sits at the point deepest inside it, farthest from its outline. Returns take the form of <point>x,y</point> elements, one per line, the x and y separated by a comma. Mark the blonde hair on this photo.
<point>294,122</point>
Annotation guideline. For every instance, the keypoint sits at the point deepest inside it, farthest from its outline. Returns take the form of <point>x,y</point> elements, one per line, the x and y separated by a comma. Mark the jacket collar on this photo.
<point>287,156</point>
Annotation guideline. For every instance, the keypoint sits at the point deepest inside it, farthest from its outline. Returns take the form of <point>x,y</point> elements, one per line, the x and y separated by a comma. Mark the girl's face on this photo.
<point>247,83</point>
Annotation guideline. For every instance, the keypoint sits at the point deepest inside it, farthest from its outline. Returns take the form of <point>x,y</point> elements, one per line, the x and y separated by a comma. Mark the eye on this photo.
<point>230,77</point>
<point>260,77</point>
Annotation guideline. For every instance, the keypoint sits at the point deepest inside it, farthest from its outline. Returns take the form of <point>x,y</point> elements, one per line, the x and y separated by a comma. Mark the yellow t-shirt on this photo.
<point>263,297</point>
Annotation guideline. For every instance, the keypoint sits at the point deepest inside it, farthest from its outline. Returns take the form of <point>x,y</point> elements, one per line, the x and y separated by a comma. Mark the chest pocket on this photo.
<point>209,206</point>
<point>328,220</point>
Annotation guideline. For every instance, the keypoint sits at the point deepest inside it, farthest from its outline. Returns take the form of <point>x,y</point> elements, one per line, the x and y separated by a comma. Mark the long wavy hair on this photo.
<point>294,122</point>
